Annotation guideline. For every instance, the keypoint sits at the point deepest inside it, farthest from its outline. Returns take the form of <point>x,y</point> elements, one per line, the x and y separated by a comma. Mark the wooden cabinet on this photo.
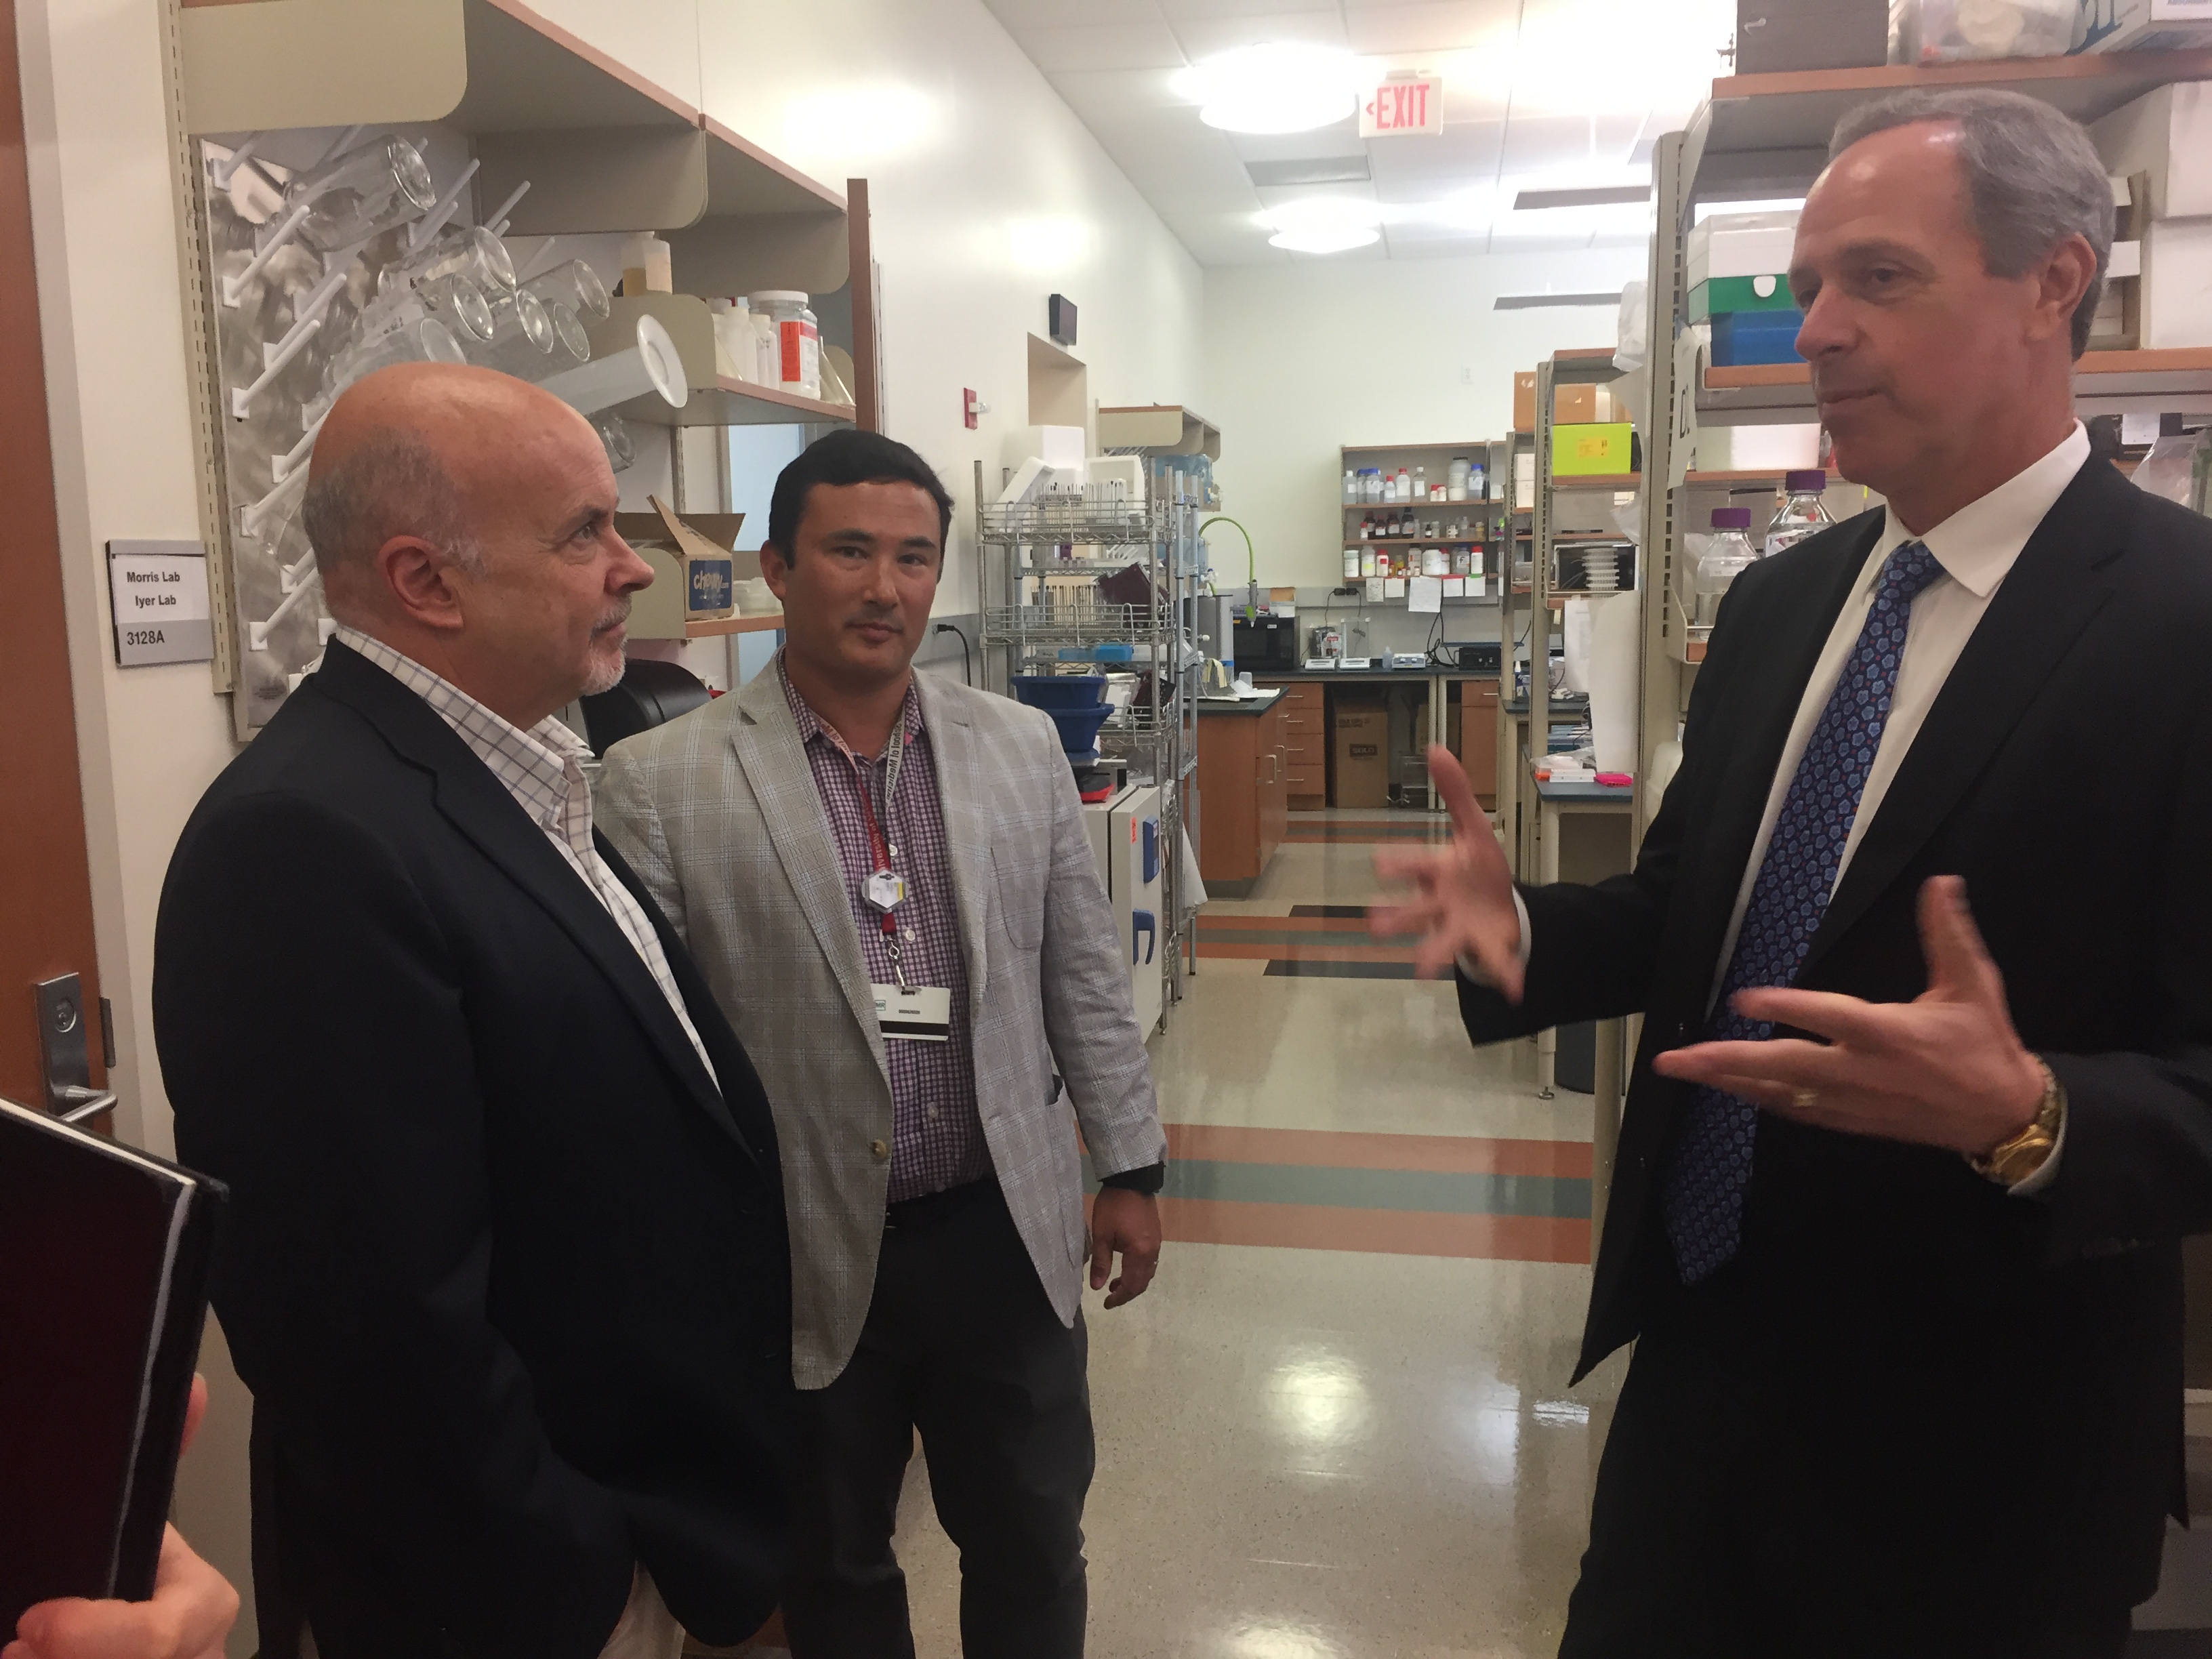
<point>1305,710</point>
<point>1243,781</point>
<point>1478,738</point>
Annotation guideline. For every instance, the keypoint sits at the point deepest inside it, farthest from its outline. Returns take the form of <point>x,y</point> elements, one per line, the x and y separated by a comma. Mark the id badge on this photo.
<point>884,890</point>
<point>922,1013</point>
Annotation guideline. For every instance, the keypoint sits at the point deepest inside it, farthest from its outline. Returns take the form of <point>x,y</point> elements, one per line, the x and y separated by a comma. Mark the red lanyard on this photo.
<point>879,848</point>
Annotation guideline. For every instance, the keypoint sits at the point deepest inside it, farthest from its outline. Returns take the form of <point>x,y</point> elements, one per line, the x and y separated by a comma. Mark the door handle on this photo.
<point>67,1061</point>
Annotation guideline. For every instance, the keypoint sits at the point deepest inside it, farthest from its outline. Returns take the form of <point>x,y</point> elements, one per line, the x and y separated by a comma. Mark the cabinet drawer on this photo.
<point>1300,696</point>
<point>1306,780</point>
<point>1314,753</point>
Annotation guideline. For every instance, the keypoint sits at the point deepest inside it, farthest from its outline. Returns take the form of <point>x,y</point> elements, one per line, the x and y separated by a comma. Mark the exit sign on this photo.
<point>1415,105</point>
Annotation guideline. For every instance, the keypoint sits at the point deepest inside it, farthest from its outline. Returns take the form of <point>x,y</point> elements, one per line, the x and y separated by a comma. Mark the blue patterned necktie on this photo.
<point>1712,1161</point>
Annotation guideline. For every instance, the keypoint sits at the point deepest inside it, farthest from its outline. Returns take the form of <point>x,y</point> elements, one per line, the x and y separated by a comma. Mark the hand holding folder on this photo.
<point>193,1609</point>
<point>104,1259</point>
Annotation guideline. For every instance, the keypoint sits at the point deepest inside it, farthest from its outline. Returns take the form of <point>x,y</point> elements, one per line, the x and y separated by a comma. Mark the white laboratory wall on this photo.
<point>149,740</point>
<point>986,195</point>
<point>1304,358</point>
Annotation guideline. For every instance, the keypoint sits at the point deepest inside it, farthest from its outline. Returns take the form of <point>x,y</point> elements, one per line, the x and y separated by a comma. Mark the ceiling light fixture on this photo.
<point>1547,301</point>
<point>1277,88</point>
<point>1605,195</point>
<point>1324,224</point>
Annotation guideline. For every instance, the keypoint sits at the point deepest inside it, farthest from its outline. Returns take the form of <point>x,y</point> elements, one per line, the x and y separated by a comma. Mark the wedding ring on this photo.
<point>1805,1100</point>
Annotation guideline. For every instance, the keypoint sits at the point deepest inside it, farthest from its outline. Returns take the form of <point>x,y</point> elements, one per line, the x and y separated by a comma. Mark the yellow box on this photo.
<point>1586,451</point>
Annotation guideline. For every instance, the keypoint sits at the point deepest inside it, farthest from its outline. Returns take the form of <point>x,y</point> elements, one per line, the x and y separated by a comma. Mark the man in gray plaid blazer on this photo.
<point>887,881</point>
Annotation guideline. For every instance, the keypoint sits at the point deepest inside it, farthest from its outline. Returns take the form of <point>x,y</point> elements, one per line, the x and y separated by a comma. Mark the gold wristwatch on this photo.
<point>2013,1160</point>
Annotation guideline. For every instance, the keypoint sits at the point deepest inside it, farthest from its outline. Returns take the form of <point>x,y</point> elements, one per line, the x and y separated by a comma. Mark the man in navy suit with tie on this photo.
<point>1896,1218</point>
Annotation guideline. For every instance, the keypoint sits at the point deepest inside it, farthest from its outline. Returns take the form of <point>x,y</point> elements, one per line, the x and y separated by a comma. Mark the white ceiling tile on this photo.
<point>1464,150</point>
<point>1209,37</point>
<point>1115,95</point>
<point>1341,139</point>
<point>1547,143</point>
<point>1274,196</point>
<point>1020,15</point>
<point>1179,9</point>
<point>1437,26</point>
<point>1103,46</point>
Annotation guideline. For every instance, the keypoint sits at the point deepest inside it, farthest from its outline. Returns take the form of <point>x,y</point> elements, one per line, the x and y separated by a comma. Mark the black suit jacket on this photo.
<point>506,1272</point>
<point>2065,771</point>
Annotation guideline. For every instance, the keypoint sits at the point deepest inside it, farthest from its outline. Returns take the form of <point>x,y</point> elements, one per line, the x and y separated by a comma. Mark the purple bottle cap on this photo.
<point>1813,478</point>
<point>1731,518</point>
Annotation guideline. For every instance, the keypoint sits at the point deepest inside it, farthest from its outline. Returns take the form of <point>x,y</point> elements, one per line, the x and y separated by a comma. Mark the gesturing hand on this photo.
<point>1464,904</point>
<point>1946,1069</point>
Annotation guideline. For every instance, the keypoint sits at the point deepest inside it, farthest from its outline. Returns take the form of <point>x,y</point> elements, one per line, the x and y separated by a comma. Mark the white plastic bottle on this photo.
<point>1728,556</point>
<point>1350,486</point>
<point>1420,484</point>
<point>798,340</point>
<point>1802,515</point>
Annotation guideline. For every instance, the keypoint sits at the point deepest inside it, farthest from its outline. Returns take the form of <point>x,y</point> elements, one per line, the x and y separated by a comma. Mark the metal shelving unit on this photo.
<point>1044,611</point>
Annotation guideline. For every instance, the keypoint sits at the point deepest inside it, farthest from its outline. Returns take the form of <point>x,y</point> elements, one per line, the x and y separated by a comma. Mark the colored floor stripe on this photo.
<point>1358,1150</point>
<point>1300,950</point>
<point>1501,1200</point>
<point>1309,1227</point>
<point>1311,969</point>
<point>1353,834</point>
<point>1309,1185</point>
<point>1330,911</point>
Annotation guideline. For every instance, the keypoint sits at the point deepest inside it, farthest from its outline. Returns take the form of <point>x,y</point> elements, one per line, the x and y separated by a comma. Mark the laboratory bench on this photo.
<point>1244,787</point>
<point>1321,773</point>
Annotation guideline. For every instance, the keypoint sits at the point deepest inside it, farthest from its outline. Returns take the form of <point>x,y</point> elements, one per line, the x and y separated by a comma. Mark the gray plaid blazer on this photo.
<point>717,814</point>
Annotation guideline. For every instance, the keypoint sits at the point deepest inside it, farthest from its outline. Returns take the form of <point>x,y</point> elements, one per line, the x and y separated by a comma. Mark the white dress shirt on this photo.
<point>1977,547</point>
<point>541,768</point>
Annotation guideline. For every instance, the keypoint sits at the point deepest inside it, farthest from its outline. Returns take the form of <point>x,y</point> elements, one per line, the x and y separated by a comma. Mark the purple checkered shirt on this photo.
<point>937,1132</point>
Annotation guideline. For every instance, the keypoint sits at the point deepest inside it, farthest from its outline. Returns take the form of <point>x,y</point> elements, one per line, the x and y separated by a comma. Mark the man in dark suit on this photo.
<point>1895,1221</point>
<point>505,1264</point>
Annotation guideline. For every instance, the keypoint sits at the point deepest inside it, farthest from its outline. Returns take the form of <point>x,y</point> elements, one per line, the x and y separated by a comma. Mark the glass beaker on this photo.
<point>614,433</point>
<point>350,197</point>
<point>575,285</point>
<point>476,254</point>
<point>426,340</point>
<point>453,299</point>
<point>522,341</point>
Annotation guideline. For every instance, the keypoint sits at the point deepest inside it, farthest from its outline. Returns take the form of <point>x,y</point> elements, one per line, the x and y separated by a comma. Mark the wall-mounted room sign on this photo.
<point>159,592</point>
<point>1415,104</point>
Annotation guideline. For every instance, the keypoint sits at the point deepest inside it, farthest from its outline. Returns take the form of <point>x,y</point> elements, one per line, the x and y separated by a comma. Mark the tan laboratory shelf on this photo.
<point>2106,382</point>
<point>714,626</point>
<point>1768,134</point>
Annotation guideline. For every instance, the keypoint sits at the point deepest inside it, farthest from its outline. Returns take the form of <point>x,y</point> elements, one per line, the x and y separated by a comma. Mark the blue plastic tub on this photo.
<point>1078,727</point>
<point>1051,691</point>
<point>1743,337</point>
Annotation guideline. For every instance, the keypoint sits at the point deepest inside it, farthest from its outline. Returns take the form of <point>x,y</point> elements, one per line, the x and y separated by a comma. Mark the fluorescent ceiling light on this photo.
<point>1547,301</point>
<point>1705,210</point>
<point>1315,170</point>
<point>1605,196</point>
<point>1324,224</point>
<point>1276,88</point>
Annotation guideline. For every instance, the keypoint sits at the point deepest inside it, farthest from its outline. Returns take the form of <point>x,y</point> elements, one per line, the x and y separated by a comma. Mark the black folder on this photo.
<point>104,1259</point>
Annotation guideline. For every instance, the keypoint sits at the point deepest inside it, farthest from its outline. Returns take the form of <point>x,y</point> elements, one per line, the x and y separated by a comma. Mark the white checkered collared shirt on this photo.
<point>539,767</point>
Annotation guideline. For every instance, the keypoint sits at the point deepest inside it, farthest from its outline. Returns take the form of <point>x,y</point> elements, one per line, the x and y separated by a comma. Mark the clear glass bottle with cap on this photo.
<point>1727,556</point>
<point>1802,513</point>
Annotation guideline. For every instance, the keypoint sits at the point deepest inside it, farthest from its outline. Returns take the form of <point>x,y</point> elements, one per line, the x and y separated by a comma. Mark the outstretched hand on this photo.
<point>1463,904</point>
<point>1946,1069</point>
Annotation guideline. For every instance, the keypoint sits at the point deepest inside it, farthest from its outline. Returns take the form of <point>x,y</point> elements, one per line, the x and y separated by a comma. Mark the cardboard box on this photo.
<point>1776,35</point>
<point>2142,25</point>
<point>694,569</point>
<point>2166,136</point>
<point>1585,451</point>
<point>1581,405</point>
<point>1362,744</point>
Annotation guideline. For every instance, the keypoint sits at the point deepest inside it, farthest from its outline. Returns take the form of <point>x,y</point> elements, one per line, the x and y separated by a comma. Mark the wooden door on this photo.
<point>45,881</point>
<point>1271,776</point>
<point>1478,738</point>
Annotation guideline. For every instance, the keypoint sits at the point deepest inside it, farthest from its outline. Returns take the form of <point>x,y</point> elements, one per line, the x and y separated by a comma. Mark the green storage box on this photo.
<point>1588,451</point>
<point>1721,296</point>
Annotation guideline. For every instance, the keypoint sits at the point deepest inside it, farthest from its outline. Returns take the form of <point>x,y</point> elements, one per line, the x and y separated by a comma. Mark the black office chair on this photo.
<point>651,693</point>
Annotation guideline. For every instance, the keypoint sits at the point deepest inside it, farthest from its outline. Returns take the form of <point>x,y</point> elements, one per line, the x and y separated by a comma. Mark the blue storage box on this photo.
<point>1743,337</point>
<point>1051,691</point>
